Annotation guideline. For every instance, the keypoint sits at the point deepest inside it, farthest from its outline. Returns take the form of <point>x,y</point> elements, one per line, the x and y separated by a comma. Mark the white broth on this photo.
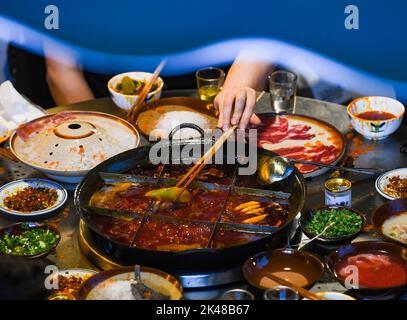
<point>396,227</point>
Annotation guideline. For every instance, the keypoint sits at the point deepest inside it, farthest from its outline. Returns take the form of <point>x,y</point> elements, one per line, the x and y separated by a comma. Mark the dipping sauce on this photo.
<point>376,115</point>
<point>376,269</point>
<point>293,277</point>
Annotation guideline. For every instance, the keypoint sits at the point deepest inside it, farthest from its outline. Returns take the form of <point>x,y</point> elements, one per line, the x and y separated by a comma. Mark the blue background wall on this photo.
<point>147,30</point>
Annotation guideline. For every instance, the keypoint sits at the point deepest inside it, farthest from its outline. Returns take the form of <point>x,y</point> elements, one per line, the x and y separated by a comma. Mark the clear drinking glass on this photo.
<point>209,82</point>
<point>281,293</point>
<point>283,87</point>
<point>237,294</point>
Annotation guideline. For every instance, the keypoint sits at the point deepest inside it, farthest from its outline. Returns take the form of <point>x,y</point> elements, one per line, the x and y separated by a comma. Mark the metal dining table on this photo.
<point>377,154</point>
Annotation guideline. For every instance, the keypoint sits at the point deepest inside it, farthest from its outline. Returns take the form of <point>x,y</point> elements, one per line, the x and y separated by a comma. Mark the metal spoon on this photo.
<point>305,242</point>
<point>273,169</point>
<point>371,171</point>
<point>140,291</point>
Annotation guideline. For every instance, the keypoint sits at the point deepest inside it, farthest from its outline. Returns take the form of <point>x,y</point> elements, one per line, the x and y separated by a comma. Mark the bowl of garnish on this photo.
<point>390,220</point>
<point>376,118</point>
<point>125,88</point>
<point>66,282</point>
<point>393,184</point>
<point>29,240</point>
<point>32,198</point>
<point>332,224</point>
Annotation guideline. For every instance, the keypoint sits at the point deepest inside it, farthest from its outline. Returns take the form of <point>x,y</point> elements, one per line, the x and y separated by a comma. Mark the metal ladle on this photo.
<point>273,169</point>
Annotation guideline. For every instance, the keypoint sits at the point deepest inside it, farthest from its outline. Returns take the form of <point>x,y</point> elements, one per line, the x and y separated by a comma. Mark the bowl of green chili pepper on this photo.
<point>29,239</point>
<point>332,224</point>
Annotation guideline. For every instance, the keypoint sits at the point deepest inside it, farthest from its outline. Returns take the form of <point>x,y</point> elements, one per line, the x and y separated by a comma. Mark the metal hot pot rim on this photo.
<point>197,259</point>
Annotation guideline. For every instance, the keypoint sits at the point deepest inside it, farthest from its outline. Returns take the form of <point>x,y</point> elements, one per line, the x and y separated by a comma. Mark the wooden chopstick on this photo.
<point>194,171</point>
<point>202,161</point>
<point>304,292</point>
<point>6,153</point>
<point>144,93</point>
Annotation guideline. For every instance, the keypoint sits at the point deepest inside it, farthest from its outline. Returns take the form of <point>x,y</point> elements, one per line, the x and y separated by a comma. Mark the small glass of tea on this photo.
<point>209,82</point>
<point>283,87</point>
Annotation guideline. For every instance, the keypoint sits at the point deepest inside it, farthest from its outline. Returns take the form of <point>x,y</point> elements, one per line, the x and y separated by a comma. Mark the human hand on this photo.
<point>236,107</point>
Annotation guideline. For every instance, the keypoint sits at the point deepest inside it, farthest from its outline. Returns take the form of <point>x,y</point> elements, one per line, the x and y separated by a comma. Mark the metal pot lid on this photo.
<point>73,141</point>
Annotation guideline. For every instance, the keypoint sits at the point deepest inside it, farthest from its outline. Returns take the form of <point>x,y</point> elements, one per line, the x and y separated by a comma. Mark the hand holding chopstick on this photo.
<point>175,192</point>
<point>194,171</point>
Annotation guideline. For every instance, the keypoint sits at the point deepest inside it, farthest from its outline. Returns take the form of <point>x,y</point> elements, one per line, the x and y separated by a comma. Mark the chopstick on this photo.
<point>194,171</point>
<point>185,181</point>
<point>6,153</point>
<point>304,292</point>
<point>144,93</point>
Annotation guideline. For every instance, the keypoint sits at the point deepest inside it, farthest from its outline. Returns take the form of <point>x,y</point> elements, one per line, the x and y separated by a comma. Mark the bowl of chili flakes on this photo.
<point>67,282</point>
<point>32,199</point>
<point>393,184</point>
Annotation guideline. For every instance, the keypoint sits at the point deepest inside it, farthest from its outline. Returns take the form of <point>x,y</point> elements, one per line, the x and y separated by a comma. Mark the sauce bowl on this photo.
<point>375,129</point>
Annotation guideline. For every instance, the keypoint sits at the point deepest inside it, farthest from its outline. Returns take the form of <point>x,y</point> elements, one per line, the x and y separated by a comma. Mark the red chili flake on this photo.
<point>31,199</point>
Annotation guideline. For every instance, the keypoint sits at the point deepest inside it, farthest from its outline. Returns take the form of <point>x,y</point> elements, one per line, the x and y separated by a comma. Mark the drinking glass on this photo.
<point>281,293</point>
<point>209,82</point>
<point>283,87</point>
<point>237,294</point>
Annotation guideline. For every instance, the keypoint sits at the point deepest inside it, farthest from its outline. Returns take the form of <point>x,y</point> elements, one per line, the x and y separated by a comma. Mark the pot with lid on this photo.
<point>65,146</point>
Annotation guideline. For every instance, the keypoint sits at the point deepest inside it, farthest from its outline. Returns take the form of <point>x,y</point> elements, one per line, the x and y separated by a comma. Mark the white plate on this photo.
<point>77,272</point>
<point>14,186</point>
<point>383,180</point>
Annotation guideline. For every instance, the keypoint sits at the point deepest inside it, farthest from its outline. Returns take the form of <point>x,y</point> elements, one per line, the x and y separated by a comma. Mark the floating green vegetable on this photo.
<point>170,194</point>
<point>345,222</point>
<point>30,242</point>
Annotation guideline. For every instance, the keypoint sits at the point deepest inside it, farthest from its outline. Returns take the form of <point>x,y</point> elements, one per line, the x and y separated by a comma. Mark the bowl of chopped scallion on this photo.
<point>29,239</point>
<point>332,224</point>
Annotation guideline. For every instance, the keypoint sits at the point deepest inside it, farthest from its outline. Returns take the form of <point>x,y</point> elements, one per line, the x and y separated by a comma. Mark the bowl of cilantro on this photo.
<point>332,224</point>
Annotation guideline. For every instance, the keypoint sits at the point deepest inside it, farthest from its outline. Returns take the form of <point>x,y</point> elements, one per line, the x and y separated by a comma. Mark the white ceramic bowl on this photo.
<point>14,186</point>
<point>375,129</point>
<point>383,180</point>
<point>125,101</point>
<point>332,295</point>
<point>159,281</point>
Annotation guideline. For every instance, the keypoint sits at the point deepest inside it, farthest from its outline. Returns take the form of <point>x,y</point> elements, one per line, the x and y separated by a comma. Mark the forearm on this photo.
<point>67,84</point>
<point>248,74</point>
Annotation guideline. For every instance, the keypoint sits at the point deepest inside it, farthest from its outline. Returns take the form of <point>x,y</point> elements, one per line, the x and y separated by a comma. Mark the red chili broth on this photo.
<point>376,115</point>
<point>375,269</point>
